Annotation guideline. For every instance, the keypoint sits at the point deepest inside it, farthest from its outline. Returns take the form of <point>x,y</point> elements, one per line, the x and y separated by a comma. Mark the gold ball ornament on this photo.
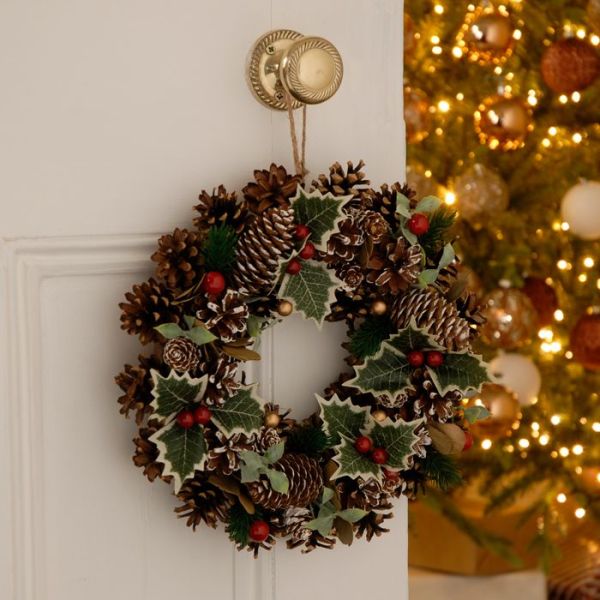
<point>570,65</point>
<point>272,419</point>
<point>379,307</point>
<point>418,181</point>
<point>593,14</point>
<point>511,319</point>
<point>503,123</point>
<point>379,415</point>
<point>504,408</point>
<point>285,308</point>
<point>488,36</point>
<point>590,480</point>
<point>416,115</point>
<point>482,195</point>
<point>585,341</point>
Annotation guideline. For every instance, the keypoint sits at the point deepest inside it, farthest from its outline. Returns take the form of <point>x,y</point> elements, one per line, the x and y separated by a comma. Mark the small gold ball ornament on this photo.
<point>379,307</point>
<point>416,115</point>
<point>285,308</point>
<point>272,419</point>
<point>503,123</point>
<point>379,415</point>
<point>488,36</point>
<point>504,408</point>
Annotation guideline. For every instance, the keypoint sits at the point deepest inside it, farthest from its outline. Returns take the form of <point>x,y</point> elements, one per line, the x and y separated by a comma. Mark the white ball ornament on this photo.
<point>518,373</point>
<point>581,210</point>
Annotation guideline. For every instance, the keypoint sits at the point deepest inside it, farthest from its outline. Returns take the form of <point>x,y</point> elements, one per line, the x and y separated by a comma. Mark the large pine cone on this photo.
<point>345,244</point>
<point>220,208</point>
<point>343,182</point>
<point>273,188</point>
<point>434,312</point>
<point>394,266</point>
<point>384,200</point>
<point>260,250</point>
<point>181,354</point>
<point>203,502</point>
<point>148,305</point>
<point>146,452</point>
<point>305,478</point>
<point>226,318</point>
<point>178,258</point>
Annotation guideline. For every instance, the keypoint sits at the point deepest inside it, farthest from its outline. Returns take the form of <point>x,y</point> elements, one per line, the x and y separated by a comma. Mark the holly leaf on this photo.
<point>341,418</point>
<point>170,330</point>
<point>323,525</point>
<point>399,438</point>
<point>460,371</point>
<point>320,213</point>
<point>241,413</point>
<point>311,291</point>
<point>274,453</point>
<point>402,205</point>
<point>476,413</point>
<point>199,335</point>
<point>182,451</point>
<point>428,204</point>
<point>351,515</point>
<point>353,464</point>
<point>278,480</point>
<point>175,392</point>
<point>413,338</point>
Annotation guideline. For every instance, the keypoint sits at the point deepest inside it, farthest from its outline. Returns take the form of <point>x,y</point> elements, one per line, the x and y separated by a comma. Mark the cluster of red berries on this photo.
<point>201,415</point>
<point>433,358</point>
<point>295,266</point>
<point>364,445</point>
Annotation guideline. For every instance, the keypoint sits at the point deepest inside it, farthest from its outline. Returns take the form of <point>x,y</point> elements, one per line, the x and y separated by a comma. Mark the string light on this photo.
<point>450,198</point>
<point>582,278</point>
<point>486,444</point>
<point>524,443</point>
<point>563,99</point>
<point>577,137</point>
<point>588,262</point>
<point>437,50</point>
<point>544,439</point>
<point>565,226</point>
<point>577,449</point>
<point>438,9</point>
<point>576,96</point>
<point>555,420</point>
<point>559,315</point>
<point>443,106</point>
<point>457,52</point>
<point>595,39</point>
<point>564,452</point>
<point>580,512</point>
<point>596,427</point>
<point>561,498</point>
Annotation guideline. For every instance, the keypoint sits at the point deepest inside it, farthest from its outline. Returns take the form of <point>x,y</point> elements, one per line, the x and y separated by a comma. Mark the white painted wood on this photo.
<point>114,115</point>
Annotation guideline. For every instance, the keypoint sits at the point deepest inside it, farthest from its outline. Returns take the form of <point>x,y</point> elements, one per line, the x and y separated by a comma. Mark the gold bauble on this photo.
<point>503,123</point>
<point>488,36</point>
<point>593,14</point>
<point>379,415</point>
<point>416,115</point>
<point>481,194</point>
<point>590,479</point>
<point>285,308</point>
<point>511,319</point>
<point>379,307</point>
<point>504,408</point>
<point>272,419</point>
<point>422,184</point>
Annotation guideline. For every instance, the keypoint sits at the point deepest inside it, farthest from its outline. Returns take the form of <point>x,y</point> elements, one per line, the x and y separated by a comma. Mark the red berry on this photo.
<point>380,456</point>
<point>308,251</point>
<point>468,441</point>
<point>259,531</point>
<point>418,224</point>
<point>213,283</point>
<point>294,267</point>
<point>302,232</point>
<point>415,358</point>
<point>435,359</point>
<point>185,419</point>
<point>391,475</point>
<point>363,444</point>
<point>202,415</point>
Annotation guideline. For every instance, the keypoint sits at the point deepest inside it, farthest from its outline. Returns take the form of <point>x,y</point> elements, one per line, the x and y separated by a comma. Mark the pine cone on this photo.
<point>220,208</point>
<point>373,225</point>
<point>222,381</point>
<point>383,201</point>
<point>181,354</point>
<point>351,276</point>
<point>340,182</point>
<point>260,250</point>
<point>345,244</point>
<point>224,453</point>
<point>146,453</point>
<point>371,525</point>
<point>394,266</point>
<point>226,318</point>
<point>425,400</point>
<point>178,258</point>
<point>148,305</point>
<point>305,484</point>
<point>202,502</point>
<point>350,305</point>
<point>370,495</point>
<point>293,524</point>
<point>273,188</point>
<point>432,311</point>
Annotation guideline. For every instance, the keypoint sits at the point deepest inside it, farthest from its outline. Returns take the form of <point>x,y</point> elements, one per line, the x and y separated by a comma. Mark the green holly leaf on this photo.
<point>311,291</point>
<point>460,371</point>
<point>175,392</point>
<point>274,453</point>
<point>353,464</point>
<point>182,451</point>
<point>398,438</point>
<point>278,480</point>
<point>323,525</point>
<point>402,205</point>
<point>320,213</point>
<point>241,413</point>
<point>199,335</point>
<point>413,338</point>
<point>254,465</point>
<point>352,515</point>
<point>341,418</point>
<point>476,413</point>
<point>428,204</point>
<point>170,330</point>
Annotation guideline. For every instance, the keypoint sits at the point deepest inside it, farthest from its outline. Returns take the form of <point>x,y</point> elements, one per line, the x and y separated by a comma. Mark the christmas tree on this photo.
<point>502,109</point>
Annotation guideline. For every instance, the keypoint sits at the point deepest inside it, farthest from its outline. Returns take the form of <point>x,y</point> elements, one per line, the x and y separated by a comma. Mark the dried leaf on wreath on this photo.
<point>240,353</point>
<point>230,485</point>
<point>447,438</point>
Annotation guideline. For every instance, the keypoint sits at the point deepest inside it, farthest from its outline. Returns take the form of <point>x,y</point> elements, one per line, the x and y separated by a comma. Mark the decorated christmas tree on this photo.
<point>503,121</point>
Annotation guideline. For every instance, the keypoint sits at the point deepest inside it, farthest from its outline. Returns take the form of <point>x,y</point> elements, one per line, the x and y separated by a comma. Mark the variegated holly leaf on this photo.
<point>320,213</point>
<point>413,338</point>
<point>175,392</point>
<point>353,464</point>
<point>399,438</point>
<point>460,371</point>
<point>241,413</point>
<point>341,418</point>
<point>476,413</point>
<point>311,291</point>
<point>182,451</point>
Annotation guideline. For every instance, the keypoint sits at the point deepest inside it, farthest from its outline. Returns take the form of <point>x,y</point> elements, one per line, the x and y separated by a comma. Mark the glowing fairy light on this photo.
<point>443,106</point>
<point>588,262</point>
<point>580,512</point>
<point>555,420</point>
<point>577,449</point>
<point>438,9</point>
<point>561,498</point>
<point>486,444</point>
<point>559,315</point>
<point>544,439</point>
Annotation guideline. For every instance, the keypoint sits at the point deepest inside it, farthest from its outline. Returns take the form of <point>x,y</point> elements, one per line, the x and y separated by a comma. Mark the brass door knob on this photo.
<point>310,69</point>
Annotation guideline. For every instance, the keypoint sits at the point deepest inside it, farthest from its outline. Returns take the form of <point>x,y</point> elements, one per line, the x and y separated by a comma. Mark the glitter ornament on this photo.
<point>585,341</point>
<point>416,115</point>
<point>570,65</point>
<point>504,408</point>
<point>503,123</point>
<point>488,36</point>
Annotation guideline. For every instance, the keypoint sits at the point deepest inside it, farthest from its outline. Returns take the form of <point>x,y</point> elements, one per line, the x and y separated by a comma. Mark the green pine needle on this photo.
<point>438,233</point>
<point>309,440</point>
<point>442,470</point>
<point>220,248</point>
<point>238,526</point>
<point>367,340</point>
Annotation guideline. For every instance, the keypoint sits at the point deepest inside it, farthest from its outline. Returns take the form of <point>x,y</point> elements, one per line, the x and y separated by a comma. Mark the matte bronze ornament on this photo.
<point>570,65</point>
<point>487,36</point>
<point>585,341</point>
<point>504,408</point>
<point>285,308</point>
<point>503,123</point>
<point>379,415</point>
<point>379,307</point>
<point>416,115</point>
<point>272,419</point>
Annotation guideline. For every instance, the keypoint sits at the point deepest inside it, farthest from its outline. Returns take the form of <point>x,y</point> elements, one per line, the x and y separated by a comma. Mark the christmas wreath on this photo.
<point>339,250</point>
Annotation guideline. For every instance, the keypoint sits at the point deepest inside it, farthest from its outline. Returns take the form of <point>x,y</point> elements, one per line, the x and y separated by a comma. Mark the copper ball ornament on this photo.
<point>570,65</point>
<point>285,308</point>
<point>590,480</point>
<point>585,341</point>
<point>543,297</point>
<point>511,320</point>
<point>481,194</point>
<point>503,122</point>
<point>416,115</point>
<point>488,36</point>
<point>504,408</point>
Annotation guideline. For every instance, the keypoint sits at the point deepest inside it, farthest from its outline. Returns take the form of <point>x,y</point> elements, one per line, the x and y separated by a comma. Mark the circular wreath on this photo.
<point>339,250</point>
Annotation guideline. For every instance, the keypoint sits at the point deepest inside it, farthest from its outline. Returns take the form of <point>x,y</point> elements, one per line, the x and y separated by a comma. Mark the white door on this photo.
<point>114,114</point>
